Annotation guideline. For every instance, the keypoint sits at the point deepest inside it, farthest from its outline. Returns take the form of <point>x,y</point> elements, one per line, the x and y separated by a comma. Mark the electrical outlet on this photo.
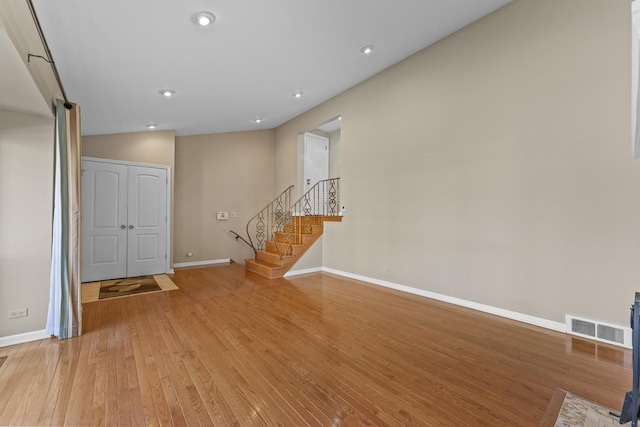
<point>20,312</point>
<point>234,214</point>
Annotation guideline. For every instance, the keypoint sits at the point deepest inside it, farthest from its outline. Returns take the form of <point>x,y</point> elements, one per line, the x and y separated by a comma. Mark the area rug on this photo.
<point>578,412</point>
<point>107,289</point>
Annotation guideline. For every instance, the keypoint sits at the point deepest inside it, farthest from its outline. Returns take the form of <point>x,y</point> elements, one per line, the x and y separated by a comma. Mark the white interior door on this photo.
<point>316,159</point>
<point>147,221</point>
<point>124,220</point>
<point>104,219</point>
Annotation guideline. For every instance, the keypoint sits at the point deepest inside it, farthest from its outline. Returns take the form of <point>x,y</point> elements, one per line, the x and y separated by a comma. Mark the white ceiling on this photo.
<point>114,56</point>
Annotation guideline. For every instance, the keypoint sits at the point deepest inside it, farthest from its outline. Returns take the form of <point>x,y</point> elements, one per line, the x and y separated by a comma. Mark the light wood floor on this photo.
<point>230,348</point>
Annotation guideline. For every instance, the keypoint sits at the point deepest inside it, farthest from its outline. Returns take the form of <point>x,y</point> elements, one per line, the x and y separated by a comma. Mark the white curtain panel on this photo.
<point>64,319</point>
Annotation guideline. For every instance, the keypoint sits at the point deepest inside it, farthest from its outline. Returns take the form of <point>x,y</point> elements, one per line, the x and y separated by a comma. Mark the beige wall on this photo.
<point>230,172</point>
<point>26,189</point>
<point>152,147</point>
<point>495,165</point>
<point>156,148</point>
<point>15,17</point>
<point>334,154</point>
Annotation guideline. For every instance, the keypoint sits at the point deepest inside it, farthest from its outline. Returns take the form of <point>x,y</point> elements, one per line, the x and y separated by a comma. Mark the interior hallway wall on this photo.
<point>495,166</point>
<point>26,210</point>
<point>225,172</point>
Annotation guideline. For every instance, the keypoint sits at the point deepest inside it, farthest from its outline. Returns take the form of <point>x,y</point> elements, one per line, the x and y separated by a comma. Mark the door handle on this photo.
<point>123,226</point>
<point>131,227</point>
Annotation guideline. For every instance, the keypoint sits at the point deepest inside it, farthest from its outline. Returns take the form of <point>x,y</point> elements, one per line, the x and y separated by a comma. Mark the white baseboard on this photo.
<point>22,338</point>
<point>303,271</point>
<point>532,320</point>
<point>196,263</point>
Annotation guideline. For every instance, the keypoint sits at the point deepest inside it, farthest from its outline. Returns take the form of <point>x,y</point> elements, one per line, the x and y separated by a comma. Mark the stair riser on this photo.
<point>264,271</point>
<point>306,219</point>
<point>287,238</point>
<point>299,239</point>
<point>282,248</point>
<point>297,229</point>
<point>271,257</point>
<point>293,250</point>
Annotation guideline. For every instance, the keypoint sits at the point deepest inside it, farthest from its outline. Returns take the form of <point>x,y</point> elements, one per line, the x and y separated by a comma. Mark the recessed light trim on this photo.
<point>167,92</point>
<point>297,95</point>
<point>366,50</point>
<point>152,126</point>
<point>203,18</point>
<point>257,120</point>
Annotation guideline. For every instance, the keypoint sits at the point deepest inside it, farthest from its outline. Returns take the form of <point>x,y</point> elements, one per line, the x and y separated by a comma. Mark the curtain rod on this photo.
<point>49,58</point>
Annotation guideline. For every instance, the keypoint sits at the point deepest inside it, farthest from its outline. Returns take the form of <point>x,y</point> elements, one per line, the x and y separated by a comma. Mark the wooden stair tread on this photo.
<point>300,243</point>
<point>264,268</point>
<point>264,263</point>
<point>275,253</point>
<point>332,218</point>
<point>270,257</point>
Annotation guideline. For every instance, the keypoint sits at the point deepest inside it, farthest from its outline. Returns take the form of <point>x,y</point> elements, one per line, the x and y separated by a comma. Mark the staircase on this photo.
<point>282,232</point>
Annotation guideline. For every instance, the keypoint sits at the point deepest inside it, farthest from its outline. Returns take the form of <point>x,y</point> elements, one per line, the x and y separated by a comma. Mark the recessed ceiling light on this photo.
<point>367,49</point>
<point>203,18</point>
<point>152,126</point>
<point>167,92</point>
<point>257,120</point>
<point>297,95</point>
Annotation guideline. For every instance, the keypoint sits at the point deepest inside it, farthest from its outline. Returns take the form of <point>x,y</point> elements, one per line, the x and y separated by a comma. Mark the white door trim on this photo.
<point>169,194</point>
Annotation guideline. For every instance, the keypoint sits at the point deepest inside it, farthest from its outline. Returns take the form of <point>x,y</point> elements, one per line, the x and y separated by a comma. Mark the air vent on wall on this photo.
<point>599,331</point>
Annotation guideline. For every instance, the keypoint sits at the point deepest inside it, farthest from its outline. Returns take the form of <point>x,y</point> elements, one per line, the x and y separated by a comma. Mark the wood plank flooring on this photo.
<point>233,348</point>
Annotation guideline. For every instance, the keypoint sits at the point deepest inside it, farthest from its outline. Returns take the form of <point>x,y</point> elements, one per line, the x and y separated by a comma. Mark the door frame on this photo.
<point>168,269</point>
<point>300,187</point>
<point>308,158</point>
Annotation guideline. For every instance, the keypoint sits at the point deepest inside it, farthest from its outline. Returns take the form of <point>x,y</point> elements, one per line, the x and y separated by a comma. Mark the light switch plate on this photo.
<point>222,216</point>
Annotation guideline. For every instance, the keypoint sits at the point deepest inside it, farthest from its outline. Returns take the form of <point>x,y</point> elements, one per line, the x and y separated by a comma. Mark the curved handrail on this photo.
<point>240,237</point>
<point>265,219</point>
<point>322,200</point>
<point>292,220</point>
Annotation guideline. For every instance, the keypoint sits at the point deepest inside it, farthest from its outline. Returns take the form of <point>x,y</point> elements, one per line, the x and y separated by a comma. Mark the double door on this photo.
<point>124,220</point>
